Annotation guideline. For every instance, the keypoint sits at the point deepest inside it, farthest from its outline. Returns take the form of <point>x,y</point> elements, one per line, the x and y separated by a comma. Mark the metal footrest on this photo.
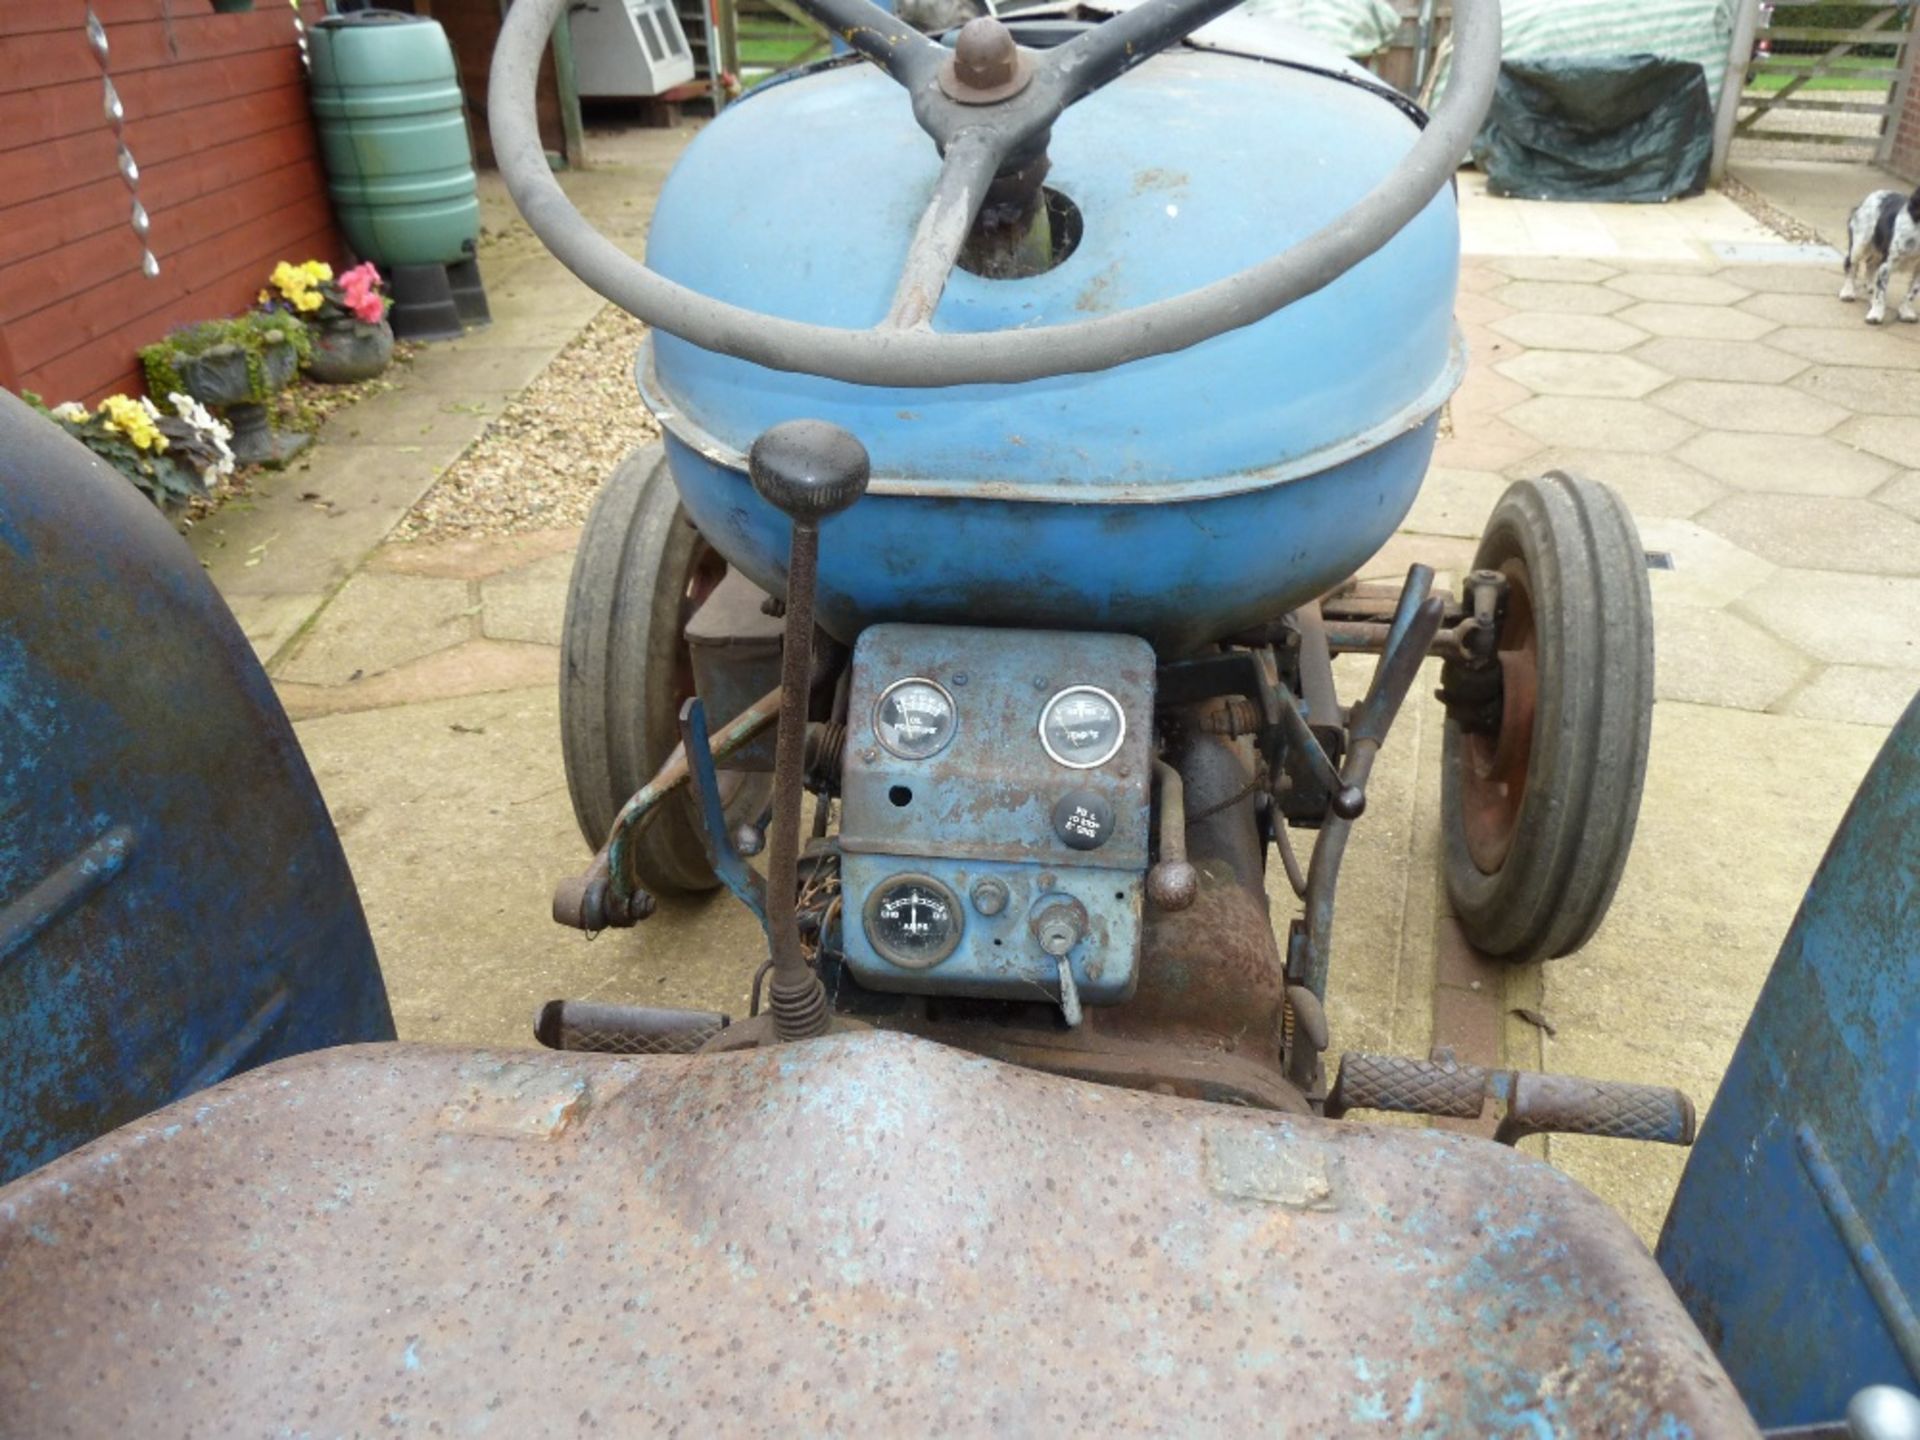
<point>1536,1104</point>
<point>625,1029</point>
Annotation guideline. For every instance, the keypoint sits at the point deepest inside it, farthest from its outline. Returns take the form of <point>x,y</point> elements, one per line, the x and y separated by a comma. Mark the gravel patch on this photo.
<point>1769,214</point>
<point>538,465</point>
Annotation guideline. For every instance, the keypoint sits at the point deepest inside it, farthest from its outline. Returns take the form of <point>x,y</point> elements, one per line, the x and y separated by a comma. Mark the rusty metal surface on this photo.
<point>859,1233</point>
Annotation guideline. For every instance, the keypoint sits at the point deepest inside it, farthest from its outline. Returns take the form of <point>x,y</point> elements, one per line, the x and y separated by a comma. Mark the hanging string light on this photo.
<point>300,34</point>
<point>129,171</point>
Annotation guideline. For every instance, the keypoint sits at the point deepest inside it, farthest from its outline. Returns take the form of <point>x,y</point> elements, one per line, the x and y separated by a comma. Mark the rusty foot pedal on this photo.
<point>1536,1104</point>
<point>625,1029</point>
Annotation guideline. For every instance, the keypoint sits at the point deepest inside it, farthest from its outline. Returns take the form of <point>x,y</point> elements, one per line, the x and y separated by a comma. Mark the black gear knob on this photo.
<point>808,469</point>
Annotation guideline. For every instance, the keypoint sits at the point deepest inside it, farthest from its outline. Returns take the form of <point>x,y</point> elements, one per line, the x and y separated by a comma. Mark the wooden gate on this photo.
<point>1813,82</point>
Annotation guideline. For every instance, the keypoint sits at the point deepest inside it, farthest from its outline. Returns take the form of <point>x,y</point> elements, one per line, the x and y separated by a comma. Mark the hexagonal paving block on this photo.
<point>1681,289</point>
<point>1858,694</point>
<point>1483,442</point>
<point>1765,409</point>
<point>1819,532</point>
<point>1785,464</point>
<point>1787,279</point>
<point>1902,493</point>
<point>1818,311</point>
<point>1710,657</point>
<point>1707,570</point>
<point>1554,267</point>
<point>1653,486</point>
<point>1865,346</point>
<point>378,622</point>
<point>1561,297</point>
<point>1588,424</point>
<point>1720,359</point>
<point>1569,332</point>
<point>1486,392</point>
<point>1895,437</point>
<point>1846,619</point>
<point>1454,502</point>
<point>1567,372</point>
<point>1863,389</point>
<point>1700,322</point>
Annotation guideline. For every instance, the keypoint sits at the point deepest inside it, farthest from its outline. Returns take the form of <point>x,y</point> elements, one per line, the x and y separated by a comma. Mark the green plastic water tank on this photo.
<point>393,134</point>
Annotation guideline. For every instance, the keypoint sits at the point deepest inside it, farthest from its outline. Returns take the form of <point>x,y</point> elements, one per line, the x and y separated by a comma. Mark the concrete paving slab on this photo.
<point>1807,311</point>
<point>1719,360</point>
<point>1484,443</point>
<point>1856,694</point>
<point>1738,810</point>
<point>1455,502</point>
<point>1581,422</point>
<point>379,622</point>
<point>474,667</point>
<point>1552,268</point>
<point>1892,437</point>
<point>1654,486</point>
<point>475,557</point>
<point>1696,322</point>
<point>270,621</point>
<point>1569,332</point>
<point>1749,409</point>
<point>467,367</point>
<point>1681,288</point>
<point>305,529</point>
<point>456,820</point>
<point>1819,277</point>
<point>1707,569</point>
<point>1864,346</point>
<point>528,603</point>
<point>1708,657</point>
<point>1902,493</point>
<point>1863,389</point>
<point>417,417</point>
<point>1564,372</point>
<point>1820,194</point>
<point>1871,620</point>
<point>1558,297</point>
<point>1819,532</point>
<point>1786,464</point>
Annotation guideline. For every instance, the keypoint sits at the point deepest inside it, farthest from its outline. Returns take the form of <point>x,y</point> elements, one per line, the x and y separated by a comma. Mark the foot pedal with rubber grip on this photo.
<point>625,1029</point>
<point>1536,1104</point>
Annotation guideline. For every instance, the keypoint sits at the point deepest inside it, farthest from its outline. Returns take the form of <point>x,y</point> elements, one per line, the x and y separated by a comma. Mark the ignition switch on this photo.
<point>1059,923</point>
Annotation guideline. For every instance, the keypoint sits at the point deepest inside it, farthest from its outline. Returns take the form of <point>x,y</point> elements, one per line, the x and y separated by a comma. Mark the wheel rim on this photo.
<point>706,568</point>
<point>1494,776</point>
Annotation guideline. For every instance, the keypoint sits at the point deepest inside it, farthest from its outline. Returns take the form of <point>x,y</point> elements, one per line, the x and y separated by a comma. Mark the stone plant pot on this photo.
<point>218,378</point>
<point>349,350</point>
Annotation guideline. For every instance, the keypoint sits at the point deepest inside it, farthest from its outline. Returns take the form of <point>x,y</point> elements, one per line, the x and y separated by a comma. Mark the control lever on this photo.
<point>808,470</point>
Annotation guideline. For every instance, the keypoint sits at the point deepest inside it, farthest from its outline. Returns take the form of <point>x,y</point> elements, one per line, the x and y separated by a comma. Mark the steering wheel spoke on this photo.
<point>884,38</point>
<point>1115,46</point>
<point>973,159</point>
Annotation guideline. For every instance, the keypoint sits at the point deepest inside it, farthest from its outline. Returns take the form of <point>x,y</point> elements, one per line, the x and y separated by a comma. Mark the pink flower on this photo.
<point>360,293</point>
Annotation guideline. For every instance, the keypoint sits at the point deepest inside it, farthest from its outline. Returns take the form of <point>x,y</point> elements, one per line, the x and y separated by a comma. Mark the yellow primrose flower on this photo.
<point>133,420</point>
<point>317,271</point>
<point>308,300</point>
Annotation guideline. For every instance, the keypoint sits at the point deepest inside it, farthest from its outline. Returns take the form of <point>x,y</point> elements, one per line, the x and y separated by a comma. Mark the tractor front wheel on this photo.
<point>640,573</point>
<point>1542,773</point>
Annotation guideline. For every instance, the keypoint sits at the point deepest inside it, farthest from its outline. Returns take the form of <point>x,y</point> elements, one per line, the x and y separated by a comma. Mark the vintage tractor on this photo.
<point>1041,575</point>
<point>1055,645</point>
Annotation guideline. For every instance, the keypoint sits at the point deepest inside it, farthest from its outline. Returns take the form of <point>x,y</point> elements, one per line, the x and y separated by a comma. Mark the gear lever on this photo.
<point>808,470</point>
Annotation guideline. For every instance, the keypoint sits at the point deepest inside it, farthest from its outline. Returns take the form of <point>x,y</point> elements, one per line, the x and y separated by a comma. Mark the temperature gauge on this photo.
<point>1082,727</point>
<point>914,718</point>
<point>913,921</point>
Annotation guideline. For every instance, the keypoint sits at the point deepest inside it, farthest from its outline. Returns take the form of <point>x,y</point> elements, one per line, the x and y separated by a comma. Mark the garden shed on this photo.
<point>156,158</point>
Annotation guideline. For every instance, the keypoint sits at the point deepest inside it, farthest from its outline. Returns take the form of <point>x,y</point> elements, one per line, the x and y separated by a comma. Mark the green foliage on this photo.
<point>250,333</point>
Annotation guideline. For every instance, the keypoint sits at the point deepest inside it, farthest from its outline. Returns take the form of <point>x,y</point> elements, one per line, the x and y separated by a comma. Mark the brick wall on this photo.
<point>229,171</point>
<point>1902,153</point>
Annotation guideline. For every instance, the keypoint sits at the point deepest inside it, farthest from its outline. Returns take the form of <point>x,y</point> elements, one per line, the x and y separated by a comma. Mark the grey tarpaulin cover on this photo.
<point>1633,127</point>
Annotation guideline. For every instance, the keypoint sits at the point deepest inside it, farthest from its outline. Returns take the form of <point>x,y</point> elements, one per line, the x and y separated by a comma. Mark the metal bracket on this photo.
<point>748,887</point>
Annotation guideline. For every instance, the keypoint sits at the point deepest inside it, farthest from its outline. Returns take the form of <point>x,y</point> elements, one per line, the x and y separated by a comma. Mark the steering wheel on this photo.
<point>989,106</point>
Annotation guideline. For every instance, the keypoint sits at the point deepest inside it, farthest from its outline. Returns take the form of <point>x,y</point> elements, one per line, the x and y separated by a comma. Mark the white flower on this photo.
<point>72,411</point>
<point>214,431</point>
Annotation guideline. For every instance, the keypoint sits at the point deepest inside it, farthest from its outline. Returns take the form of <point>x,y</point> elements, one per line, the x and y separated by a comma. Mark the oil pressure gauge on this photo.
<point>914,718</point>
<point>913,921</point>
<point>1082,727</point>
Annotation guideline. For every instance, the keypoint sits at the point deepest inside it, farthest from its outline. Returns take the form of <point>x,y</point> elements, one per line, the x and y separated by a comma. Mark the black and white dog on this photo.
<point>1883,232</point>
